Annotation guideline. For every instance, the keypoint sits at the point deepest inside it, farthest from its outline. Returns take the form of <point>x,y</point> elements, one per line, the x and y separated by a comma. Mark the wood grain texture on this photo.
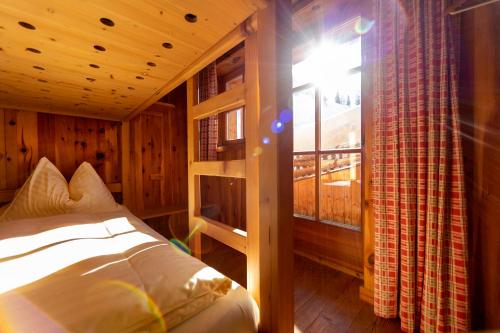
<point>223,200</point>
<point>331,244</point>
<point>158,156</point>
<point>327,300</point>
<point>132,53</point>
<point>274,194</point>
<point>480,115</point>
<point>340,197</point>
<point>67,141</point>
<point>194,196</point>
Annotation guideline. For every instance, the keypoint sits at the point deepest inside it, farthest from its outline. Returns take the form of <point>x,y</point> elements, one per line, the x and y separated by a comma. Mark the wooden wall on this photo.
<point>341,203</point>
<point>223,198</point>
<point>158,157</point>
<point>480,112</point>
<point>158,162</point>
<point>67,141</point>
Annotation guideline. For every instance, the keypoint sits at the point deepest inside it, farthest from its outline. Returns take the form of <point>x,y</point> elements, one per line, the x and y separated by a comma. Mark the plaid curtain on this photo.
<point>418,190</point>
<point>209,127</point>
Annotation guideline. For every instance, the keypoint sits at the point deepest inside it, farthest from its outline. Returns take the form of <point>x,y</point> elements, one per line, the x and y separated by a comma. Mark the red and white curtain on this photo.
<point>418,182</point>
<point>209,127</point>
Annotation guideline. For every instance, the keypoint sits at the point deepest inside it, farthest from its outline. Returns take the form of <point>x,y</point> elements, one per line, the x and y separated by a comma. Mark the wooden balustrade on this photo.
<point>340,200</point>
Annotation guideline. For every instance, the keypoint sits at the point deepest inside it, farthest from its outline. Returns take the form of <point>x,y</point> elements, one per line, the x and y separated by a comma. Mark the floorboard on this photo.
<point>327,300</point>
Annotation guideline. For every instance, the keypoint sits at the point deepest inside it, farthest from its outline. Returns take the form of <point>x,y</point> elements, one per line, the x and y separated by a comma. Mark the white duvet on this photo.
<point>98,273</point>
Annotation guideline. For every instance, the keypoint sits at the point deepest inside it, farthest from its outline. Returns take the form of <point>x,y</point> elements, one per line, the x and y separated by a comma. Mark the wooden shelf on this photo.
<point>160,211</point>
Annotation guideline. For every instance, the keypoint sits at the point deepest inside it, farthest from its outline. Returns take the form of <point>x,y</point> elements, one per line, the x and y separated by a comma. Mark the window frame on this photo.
<point>223,142</point>
<point>318,152</point>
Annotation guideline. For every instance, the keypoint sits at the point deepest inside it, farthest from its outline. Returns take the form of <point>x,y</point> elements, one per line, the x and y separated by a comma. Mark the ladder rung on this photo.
<point>235,238</point>
<point>233,168</point>
<point>229,100</point>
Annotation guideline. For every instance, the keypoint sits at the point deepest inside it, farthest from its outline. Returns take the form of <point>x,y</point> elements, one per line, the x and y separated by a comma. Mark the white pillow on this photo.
<point>89,193</point>
<point>44,193</point>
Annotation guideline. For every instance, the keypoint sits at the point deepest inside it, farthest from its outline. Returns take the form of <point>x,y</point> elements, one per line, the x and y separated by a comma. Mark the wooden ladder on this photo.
<point>267,167</point>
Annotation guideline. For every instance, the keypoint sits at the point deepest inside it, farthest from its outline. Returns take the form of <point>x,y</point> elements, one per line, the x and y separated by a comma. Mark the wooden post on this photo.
<point>368,222</point>
<point>269,168</point>
<point>193,180</point>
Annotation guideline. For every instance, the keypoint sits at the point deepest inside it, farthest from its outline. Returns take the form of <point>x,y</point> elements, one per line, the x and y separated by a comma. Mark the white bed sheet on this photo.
<point>235,312</point>
<point>47,282</point>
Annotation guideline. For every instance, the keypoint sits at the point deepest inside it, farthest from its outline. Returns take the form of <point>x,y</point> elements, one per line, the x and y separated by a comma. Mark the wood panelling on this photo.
<point>340,199</point>
<point>223,200</point>
<point>480,112</point>
<point>80,65</point>
<point>330,244</point>
<point>67,141</point>
<point>225,259</point>
<point>175,147</point>
<point>158,165</point>
<point>158,154</point>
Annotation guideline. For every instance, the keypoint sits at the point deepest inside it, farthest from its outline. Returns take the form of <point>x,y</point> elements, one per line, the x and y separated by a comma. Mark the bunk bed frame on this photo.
<point>267,243</point>
<point>267,169</point>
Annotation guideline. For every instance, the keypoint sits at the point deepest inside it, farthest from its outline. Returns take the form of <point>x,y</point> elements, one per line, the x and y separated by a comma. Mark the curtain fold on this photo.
<point>209,127</point>
<point>418,182</point>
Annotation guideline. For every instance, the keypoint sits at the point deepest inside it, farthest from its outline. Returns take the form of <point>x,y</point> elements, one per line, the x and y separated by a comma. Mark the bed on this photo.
<point>95,271</point>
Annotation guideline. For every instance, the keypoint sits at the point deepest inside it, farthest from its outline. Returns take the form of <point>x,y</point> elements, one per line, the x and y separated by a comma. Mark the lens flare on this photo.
<point>141,296</point>
<point>266,140</point>
<point>257,151</point>
<point>180,245</point>
<point>363,25</point>
<point>277,126</point>
<point>286,116</point>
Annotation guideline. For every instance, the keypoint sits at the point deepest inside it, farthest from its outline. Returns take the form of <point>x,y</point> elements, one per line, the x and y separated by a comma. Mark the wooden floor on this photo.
<point>327,300</point>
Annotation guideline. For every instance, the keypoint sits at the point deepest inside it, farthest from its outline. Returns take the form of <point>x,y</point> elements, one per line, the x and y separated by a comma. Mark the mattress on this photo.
<point>110,272</point>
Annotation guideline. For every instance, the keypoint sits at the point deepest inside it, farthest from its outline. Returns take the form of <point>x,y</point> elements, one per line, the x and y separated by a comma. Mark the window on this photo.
<point>328,132</point>
<point>234,125</point>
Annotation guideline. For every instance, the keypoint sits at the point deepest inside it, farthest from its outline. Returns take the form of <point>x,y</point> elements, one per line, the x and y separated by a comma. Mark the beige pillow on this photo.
<point>44,193</point>
<point>89,193</point>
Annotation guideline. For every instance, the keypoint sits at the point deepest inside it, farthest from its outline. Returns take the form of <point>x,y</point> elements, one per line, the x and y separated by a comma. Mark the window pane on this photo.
<point>348,54</point>
<point>341,113</point>
<point>340,189</point>
<point>304,120</point>
<point>234,125</point>
<point>302,72</point>
<point>304,185</point>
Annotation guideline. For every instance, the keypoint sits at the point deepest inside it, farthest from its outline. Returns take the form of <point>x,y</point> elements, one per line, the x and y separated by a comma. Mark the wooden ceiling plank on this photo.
<point>66,31</point>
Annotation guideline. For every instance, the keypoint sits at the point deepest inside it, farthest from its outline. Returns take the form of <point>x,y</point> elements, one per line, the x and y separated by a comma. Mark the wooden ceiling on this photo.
<point>104,58</point>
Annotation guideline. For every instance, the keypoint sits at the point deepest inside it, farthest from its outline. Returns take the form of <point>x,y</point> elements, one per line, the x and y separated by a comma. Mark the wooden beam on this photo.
<point>230,236</point>
<point>232,39</point>
<point>367,213</point>
<point>194,197</point>
<point>233,168</point>
<point>228,100</point>
<point>269,168</point>
<point>160,211</point>
<point>61,112</point>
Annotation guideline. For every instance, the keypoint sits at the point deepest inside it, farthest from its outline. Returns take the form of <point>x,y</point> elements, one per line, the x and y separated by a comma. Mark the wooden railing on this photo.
<point>340,197</point>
